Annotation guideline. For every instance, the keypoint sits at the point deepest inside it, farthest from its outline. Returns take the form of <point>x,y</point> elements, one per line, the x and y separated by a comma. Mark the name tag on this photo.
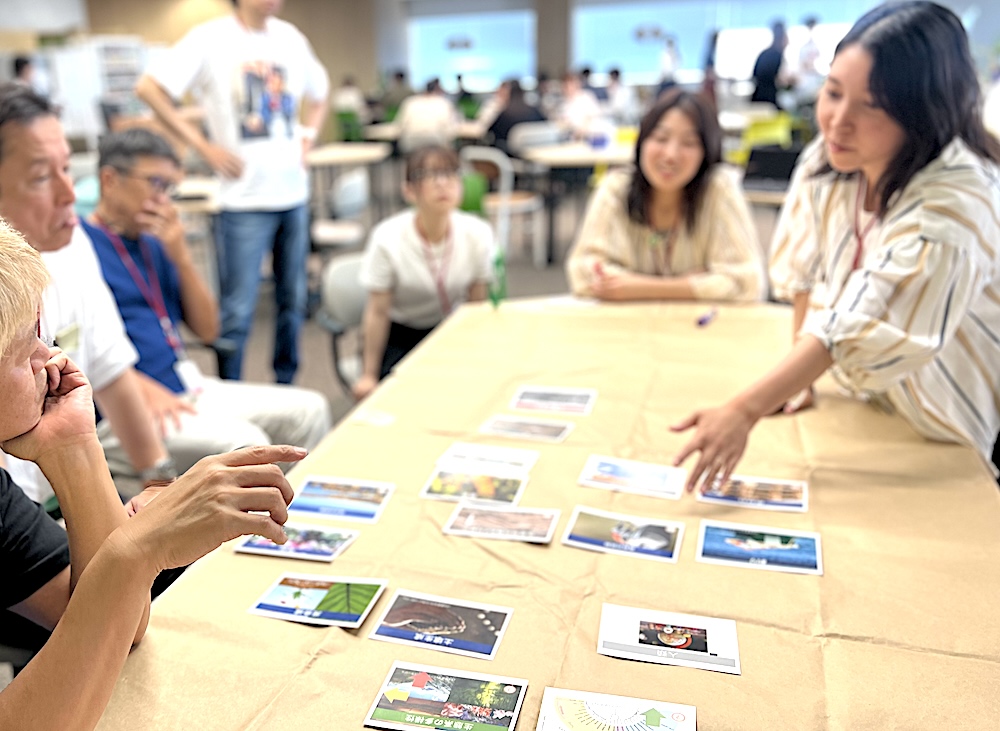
<point>190,376</point>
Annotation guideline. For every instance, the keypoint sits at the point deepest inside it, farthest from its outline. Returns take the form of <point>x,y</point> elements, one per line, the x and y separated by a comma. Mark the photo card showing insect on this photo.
<point>440,623</point>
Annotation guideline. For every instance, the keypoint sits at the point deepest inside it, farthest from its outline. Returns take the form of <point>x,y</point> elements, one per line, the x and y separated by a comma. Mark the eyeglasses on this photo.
<point>442,174</point>
<point>160,185</point>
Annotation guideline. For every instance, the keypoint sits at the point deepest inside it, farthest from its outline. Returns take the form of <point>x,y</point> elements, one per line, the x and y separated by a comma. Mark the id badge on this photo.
<point>190,375</point>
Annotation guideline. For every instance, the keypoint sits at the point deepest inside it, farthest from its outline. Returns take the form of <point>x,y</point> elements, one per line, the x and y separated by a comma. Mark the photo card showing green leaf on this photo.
<point>337,601</point>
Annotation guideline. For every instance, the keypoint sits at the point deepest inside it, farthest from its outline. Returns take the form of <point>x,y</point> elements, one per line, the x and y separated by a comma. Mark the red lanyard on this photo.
<point>151,291</point>
<point>439,272</point>
<point>858,233</point>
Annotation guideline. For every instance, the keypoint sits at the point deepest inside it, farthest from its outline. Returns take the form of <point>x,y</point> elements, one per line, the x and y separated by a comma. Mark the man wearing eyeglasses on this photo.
<point>78,313</point>
<point>140,244</point>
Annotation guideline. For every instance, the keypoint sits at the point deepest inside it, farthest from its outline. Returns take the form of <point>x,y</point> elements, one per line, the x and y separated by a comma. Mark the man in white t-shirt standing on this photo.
<point>255,76</point>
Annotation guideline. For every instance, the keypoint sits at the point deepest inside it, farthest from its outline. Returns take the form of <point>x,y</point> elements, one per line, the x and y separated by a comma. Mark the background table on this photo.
<point>900,632</point>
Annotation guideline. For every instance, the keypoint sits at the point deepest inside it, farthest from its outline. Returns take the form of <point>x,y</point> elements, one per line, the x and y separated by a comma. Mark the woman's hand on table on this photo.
<point>720,437</point>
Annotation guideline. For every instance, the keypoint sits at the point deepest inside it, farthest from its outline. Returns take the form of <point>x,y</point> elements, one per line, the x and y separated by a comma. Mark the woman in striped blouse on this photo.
<point>888,244</point>
<point>674,227</point>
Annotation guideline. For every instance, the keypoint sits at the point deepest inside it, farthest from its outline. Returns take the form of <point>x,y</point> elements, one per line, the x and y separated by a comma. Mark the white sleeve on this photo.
<point>377,273</point>
<point>177,70</point>
<point>317,85</point>
<point>110,351</point>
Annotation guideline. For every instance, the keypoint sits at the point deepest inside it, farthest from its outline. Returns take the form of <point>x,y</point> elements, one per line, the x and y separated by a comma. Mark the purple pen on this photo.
<point>707,317</point>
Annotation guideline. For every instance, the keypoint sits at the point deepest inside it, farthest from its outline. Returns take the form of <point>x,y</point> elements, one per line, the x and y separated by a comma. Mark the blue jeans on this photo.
<point>241,239</point>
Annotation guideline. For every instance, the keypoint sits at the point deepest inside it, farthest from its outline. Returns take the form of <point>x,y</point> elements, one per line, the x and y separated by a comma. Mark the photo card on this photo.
<point>760,493</point>
<point>508,523</point>
<point>627,535</point>
<point>626,475</point>
<point>489,458</point>
<point>336,601</point>
<point>421,696</point>
<point>440,623</point>
<point>305,541</point>
<point>760,547</point>
<point>669,638</point>
<point>344,498</point>
<point>521,427</point>
<point>554,399</point>
<point>452,481</point>
<point>578,710</point>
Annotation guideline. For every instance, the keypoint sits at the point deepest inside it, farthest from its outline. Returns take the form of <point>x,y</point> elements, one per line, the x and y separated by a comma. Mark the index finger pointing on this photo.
<point>263,454</point>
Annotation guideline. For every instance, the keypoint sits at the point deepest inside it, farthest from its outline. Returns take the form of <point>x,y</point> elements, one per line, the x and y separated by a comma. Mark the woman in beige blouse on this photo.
<point>887,245</point>
<point>675,226</point>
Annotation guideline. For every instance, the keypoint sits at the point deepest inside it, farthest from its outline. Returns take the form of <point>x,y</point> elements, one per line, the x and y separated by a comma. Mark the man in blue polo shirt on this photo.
<point>147,265</point>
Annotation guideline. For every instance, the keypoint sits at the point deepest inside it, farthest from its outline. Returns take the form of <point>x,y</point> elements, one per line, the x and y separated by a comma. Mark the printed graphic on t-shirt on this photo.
<point>266,108</point>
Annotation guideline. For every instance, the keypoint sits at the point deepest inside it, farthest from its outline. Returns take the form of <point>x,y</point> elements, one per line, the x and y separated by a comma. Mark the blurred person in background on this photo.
<point>579,108</point>
<point>767,74</point>
<point>255,76</point>
<point>622,104</point>
<point>420,264</point>
<point>675,226</point>
<point>428,118</point>
<point>515,111</point>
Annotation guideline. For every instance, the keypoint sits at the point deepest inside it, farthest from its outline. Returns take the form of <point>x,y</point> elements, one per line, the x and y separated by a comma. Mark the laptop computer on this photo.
<point>770,168</point>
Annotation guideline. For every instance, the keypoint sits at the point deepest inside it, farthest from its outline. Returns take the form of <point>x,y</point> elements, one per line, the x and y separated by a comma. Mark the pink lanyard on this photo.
<point>439,272</point>
<point>151,292</point>
<point>858,233</point>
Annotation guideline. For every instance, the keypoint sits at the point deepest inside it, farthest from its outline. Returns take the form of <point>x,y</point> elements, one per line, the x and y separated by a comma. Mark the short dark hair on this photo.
<point>924,78</point>
<point>120,149</point>
<point>20,104</point>
<point>422,156</point>
<point>20,64</point>
<point>702,114</point>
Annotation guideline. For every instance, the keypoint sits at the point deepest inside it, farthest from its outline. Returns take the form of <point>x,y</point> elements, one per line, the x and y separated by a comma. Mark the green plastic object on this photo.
<point>498,287</point>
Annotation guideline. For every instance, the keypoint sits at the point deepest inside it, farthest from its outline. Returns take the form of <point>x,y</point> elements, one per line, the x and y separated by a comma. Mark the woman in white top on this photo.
<point>420,264</point>
<point>888,244</point>
<point>675,226</point>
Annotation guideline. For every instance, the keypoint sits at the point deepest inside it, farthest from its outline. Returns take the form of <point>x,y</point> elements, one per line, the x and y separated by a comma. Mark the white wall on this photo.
<point>50,16</point>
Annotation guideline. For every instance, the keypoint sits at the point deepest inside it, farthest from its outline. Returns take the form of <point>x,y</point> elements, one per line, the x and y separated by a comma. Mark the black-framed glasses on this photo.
<point>443,174</point>
<point>159,184</point>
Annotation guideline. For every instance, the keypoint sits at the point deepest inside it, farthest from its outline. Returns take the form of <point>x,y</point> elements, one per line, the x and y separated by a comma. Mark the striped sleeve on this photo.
<point>734,263</point>
<point>899,310</point>
<point>603,237</point>
<point>794,253</point>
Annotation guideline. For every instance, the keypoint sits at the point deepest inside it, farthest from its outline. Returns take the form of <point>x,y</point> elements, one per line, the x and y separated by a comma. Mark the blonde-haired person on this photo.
<point>90,583</point>
<point>420,264</point>
<point>676,225</point>
<point>887,244</point>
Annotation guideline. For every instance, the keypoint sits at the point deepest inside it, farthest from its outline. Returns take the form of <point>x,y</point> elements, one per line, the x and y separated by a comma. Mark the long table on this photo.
<point>900,632</point>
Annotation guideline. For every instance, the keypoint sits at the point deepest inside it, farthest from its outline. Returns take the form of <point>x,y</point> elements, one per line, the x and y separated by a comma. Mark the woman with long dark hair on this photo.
<point>888,244</point>
<point>675,226</point>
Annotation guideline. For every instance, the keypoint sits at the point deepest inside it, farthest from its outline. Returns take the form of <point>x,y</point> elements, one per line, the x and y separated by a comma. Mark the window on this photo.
<point>485,48</point>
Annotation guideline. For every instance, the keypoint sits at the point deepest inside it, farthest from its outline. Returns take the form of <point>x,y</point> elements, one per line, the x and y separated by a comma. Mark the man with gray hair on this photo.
<point>146,263</point>
<point>79,315</point>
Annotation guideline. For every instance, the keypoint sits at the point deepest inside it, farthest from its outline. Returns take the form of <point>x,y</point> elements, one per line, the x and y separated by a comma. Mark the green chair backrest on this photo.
<point>474,189</point>
<point>350,126</point>
<point>390,114</point>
